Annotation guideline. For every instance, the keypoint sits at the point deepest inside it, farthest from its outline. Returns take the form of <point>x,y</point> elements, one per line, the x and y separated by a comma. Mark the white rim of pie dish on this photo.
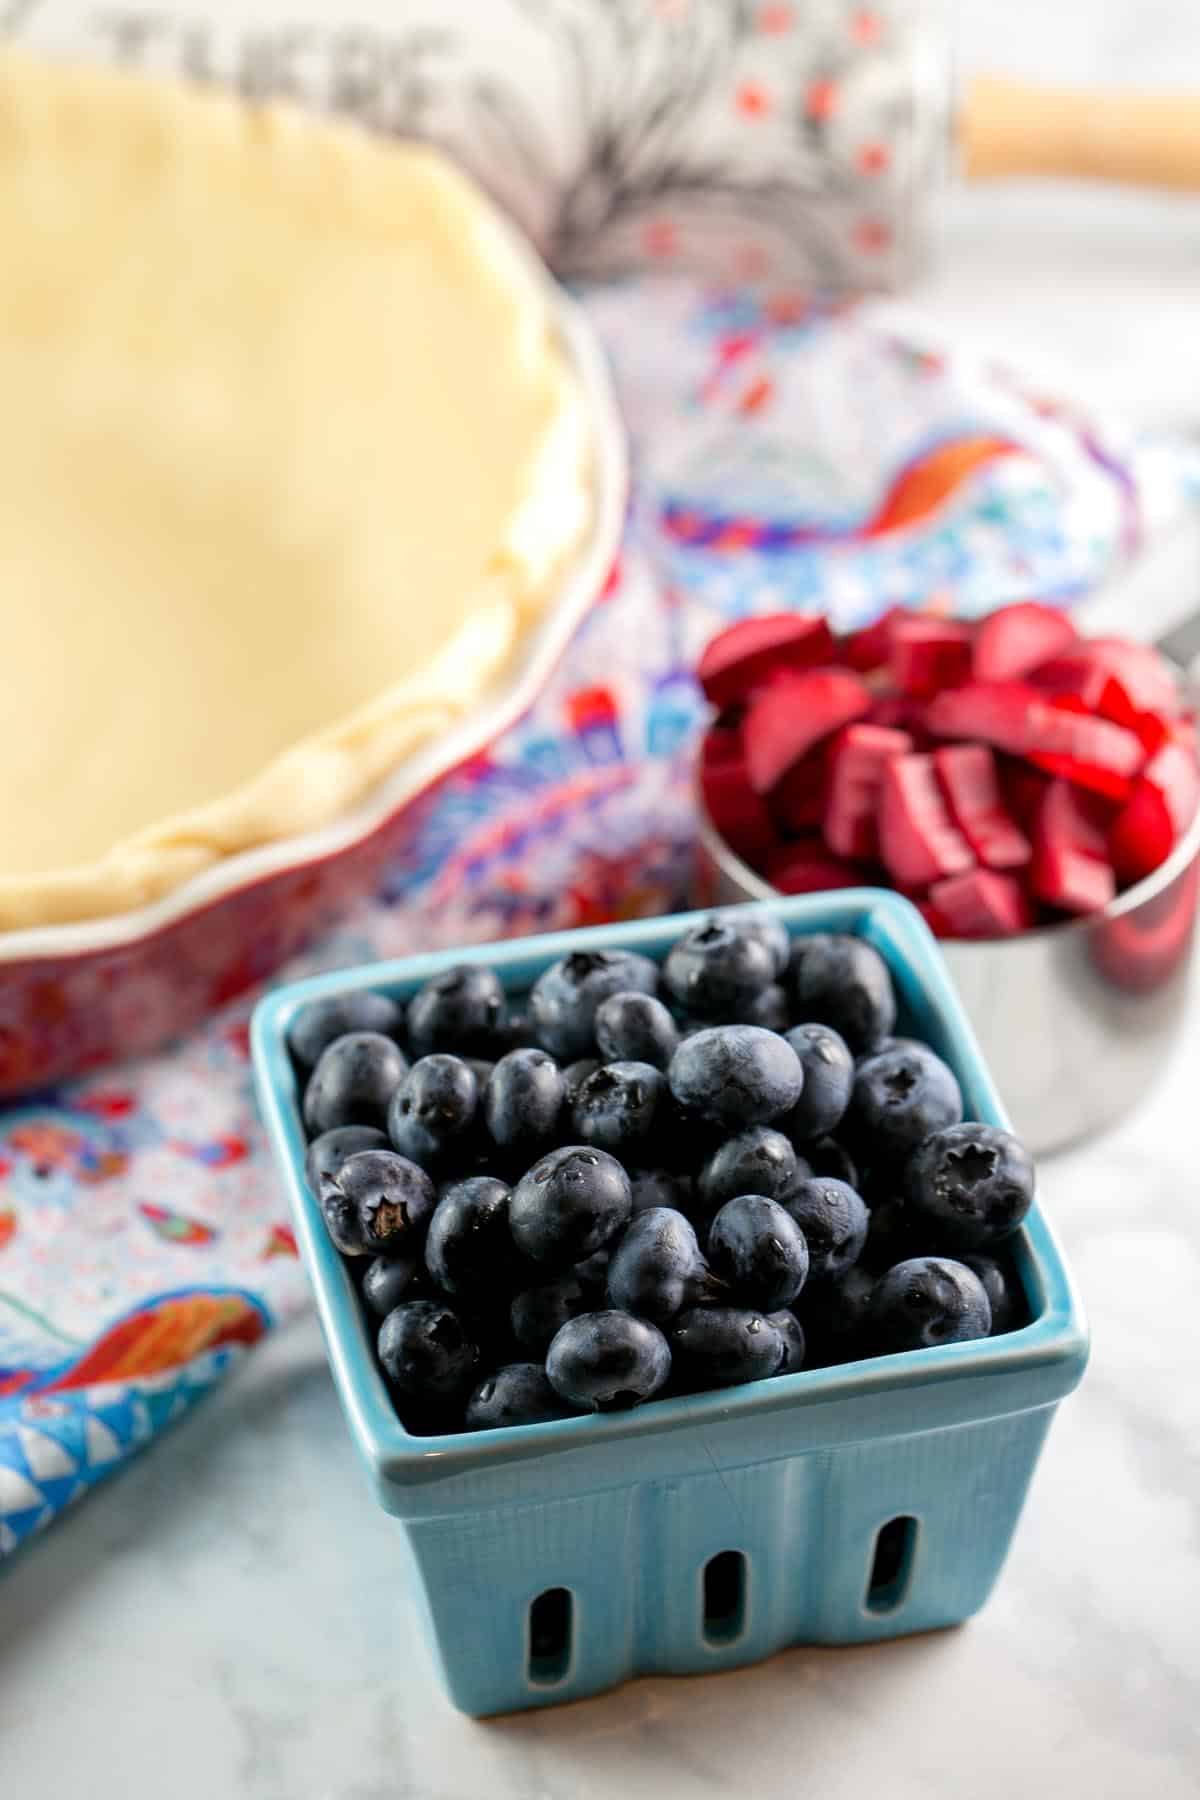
<point>505,701</point>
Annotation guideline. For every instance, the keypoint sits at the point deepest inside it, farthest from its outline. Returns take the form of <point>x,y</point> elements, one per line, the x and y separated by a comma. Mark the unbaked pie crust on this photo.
<point>290,459</point>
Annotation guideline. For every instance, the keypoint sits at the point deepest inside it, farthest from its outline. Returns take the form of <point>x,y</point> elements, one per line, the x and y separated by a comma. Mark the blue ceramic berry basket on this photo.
<point>833,1506</point>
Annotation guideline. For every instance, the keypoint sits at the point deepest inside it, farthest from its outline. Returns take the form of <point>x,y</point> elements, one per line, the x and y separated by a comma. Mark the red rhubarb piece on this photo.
<point>740,658</point>
<point>869,648</point>
<point>1070,868</point>
<point>1022,787</point>
<point>808,868</point>
<point>971,785</point>
<point>788,719</point>
<point>1014,716</point>
<point>797,802</point>
<point>1158,812</point>
<point>918,840</point>
<point>1015,639</point>
<point>988,712</point>
<point>736,811</point>
<point>982,903</point>
<point>856,759</point>
<point>929,654</point>
<point>1114,677</point>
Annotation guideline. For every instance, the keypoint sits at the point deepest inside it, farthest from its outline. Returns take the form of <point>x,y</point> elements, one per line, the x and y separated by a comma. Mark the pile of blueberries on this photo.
<point>651,1180</point>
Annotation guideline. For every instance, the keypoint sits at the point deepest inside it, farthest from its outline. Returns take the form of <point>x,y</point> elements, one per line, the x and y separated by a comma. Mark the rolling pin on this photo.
<point>800,140</point>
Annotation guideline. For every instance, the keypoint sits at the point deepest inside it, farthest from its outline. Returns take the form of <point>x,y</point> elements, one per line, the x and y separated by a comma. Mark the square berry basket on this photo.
<point>832,1506</point>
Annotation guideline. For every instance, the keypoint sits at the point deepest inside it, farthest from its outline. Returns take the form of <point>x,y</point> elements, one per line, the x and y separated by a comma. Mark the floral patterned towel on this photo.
<point>788,455</point>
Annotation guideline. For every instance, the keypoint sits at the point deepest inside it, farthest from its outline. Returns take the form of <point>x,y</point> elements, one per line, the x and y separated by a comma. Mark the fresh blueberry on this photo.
<point>537,1313</point>
<point>633,1027</point>
<point>469,1248</point>
<point>828,1157</point>
<point>327,1153</point>
<point>461,1010</point>
<point>656,1269</point>
<point>353,1082</point>
<point>843,982</point>
<point>833,1315</point>
<point>724,1346</point>
<point>574,1076</point>
<point>523,1101</point>
<point>828,1082</point>
<point>900,1098</point>
<point>572,1202</point>
<point>792,1332</point>
<point>617,1107</point>
<point>761,923</point>
<point>393,1198</point>
<point>771,1009</point>
<point>342,1222</point>
<point>759,1251</point>
<point>608,1361</point>
<point>316,1025</point>
<point>433,1108</point>
<point>425,1350</point>
<point>927,1300</point>
<point>972,1183</point>
<point>564,999</point>
<point>834,1222</point>
<point>517,1394</point>
<point>387,1281</point>
<point>736,1075</point>
<point>660,1187</point>
<point>759,1160</point>
<point>894,1043</point>
<point>592,1274</point>
<point>717,967</point>
<point>1002,1288</point>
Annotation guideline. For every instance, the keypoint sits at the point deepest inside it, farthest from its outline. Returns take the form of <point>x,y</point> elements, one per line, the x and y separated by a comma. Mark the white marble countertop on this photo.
<point>230,1617</point>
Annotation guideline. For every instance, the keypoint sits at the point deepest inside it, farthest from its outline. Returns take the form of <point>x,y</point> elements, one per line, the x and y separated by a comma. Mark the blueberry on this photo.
<point>469,1248</point>
<point>608,1361</point>
<point>834,1222</point>
<point>972,1183</point>
<point>387,1280</point>
<point>522,1103</point>
<point>927,1300</point>
<point>462,1010</point>
<point>569,1204</point>
<point>843,982</point>
<point>833,1315</point>
<point>353,1082</point>
<point>342,1222</point>
<point>759,1250</point>
<point>759,922</point>
<point>1002,1289</point>
<point>828,1157</point>
<point>717,967</point>
<point>900,1098</point>
<point>724,1346</point>
<point>771,1009</point>
<point>425,1350</point>
<point>537,1313</point>
<point>736,1075</point>
<point>517,1394</point>
<point>660,1187</point>
<point>656,1270</point>
<point>564,999</point>
<point>574,1076</point>
<point>393,1198</point>
<point>632,1027</point>
<point>792,1332</point>
<point>327,1153</point>
<point>316,1025</point>
<point>828,1082</point>
<point>592,1274</point>
<point>616,1108</point>
<point>433,1108</point>
<point>758,1160</point>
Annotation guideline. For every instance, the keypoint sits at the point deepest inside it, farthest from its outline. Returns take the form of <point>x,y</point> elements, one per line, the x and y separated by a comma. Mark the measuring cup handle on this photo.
<point>1182,644</point>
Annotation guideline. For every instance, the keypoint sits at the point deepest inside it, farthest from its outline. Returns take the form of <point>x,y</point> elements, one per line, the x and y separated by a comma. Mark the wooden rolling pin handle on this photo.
<point>1014,128</point>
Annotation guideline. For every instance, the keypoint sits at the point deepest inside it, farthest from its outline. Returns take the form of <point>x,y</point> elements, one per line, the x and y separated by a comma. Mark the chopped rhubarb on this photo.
<point>971,785</point>
<point>808,868</point>
<point>1158,812</point>
<point>1070,869</point>
<point>737,812</point>
<point>740,658</point>
<point>797,802</point>
<point>918,840</point>
<point>856,759</point>
<point>1016,639</point>
<point>1014,716</point>
<point>986,712</point>
<point>981,903</point>
<point>869,648</point>
<point>1113,677</point>
<point>929,654</point>
<point>788,719</point>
